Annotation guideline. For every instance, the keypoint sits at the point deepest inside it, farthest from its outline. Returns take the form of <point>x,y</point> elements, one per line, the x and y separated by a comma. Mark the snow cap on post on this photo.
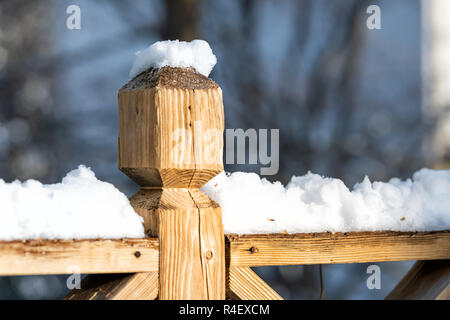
<point>171,117</point>
<point>196,54</point>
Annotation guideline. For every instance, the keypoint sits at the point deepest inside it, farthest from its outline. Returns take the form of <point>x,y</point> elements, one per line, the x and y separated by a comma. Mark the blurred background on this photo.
<point>349,101</point>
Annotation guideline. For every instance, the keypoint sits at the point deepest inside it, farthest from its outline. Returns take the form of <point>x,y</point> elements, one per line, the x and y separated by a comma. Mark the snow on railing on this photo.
<point>311,203</point>
<point>79,207</point>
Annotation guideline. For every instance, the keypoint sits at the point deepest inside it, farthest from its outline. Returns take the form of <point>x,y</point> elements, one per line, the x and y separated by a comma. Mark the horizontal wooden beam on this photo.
<point>142,255</point>
<point>326,248</point>
<point>32,257</point>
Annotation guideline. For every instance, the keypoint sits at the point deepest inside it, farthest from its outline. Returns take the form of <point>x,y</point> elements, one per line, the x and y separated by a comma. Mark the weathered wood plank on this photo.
<point>427,280</point>
<point>324,248</point>
<point>244,284</point>
<point>138,286</point>
<point>32,257</point>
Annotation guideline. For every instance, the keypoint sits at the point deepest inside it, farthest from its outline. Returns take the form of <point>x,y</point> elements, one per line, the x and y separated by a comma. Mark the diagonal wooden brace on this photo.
<point>244,284</point>
<point>427,280</point>
<point>138,286</point>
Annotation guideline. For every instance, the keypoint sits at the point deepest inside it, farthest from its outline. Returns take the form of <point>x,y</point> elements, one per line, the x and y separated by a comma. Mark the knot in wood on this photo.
<point>209,255</point>
<point>253,250</point>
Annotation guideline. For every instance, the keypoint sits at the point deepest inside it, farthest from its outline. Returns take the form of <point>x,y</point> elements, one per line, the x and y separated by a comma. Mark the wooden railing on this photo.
<point>33,257</point>
<point>101,256</point>
<point>166,146</point>
<point>326,248</point>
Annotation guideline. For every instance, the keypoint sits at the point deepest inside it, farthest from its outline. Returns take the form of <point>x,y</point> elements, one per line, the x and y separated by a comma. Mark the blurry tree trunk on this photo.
<point>436,79</point>
<point>26,93</point>
<point>29,131</point>
<point>181,20</point>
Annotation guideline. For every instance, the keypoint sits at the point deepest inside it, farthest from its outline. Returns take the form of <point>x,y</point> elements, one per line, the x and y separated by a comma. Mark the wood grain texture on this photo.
<point>33,257</point>
<point>323,248</point>
<point>427,280</point>
<point>171,126</point>
<point>212,244</point>
<point>192,248</point>
<point>138,286</point>
<point>171,137</point>
<point>244,284</point>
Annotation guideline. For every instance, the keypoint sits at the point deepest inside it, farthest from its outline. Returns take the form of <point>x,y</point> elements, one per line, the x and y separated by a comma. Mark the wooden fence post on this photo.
<point>171,126</point>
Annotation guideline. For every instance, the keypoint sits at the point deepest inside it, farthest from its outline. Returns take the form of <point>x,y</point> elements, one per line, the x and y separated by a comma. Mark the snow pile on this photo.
<point>311,203</point>
<point>196,54</point>
<point>79,207</point>
<point>83,207</point>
